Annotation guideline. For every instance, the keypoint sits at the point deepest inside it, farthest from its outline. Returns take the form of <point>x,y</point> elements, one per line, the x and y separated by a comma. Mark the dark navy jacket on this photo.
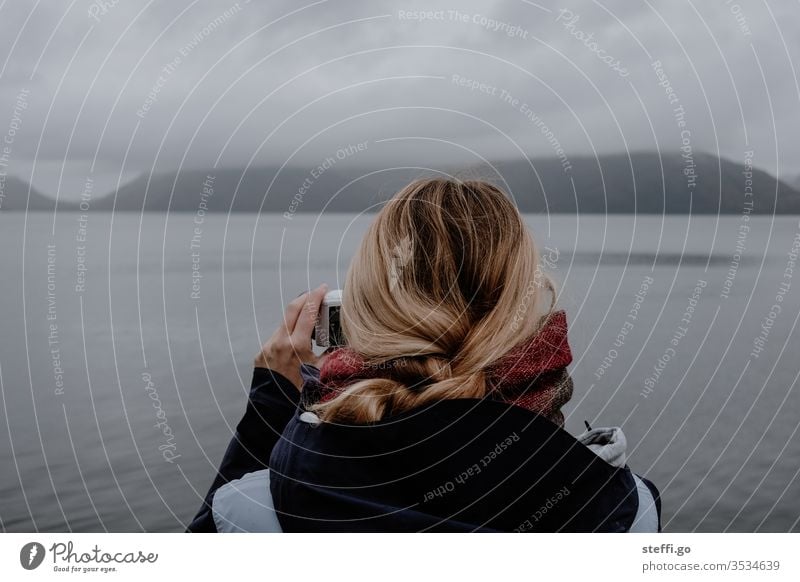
<point>455,465</point>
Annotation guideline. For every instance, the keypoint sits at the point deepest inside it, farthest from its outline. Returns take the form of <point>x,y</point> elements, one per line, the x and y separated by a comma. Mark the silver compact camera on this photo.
<point>328,331</point>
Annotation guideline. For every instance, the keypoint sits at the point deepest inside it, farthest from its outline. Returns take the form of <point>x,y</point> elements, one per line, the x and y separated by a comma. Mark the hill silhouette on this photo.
<point>15,197</point>
<point>644,183</point>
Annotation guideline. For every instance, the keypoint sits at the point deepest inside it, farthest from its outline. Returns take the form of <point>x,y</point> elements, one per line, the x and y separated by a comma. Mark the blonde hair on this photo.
<point>446,281</point>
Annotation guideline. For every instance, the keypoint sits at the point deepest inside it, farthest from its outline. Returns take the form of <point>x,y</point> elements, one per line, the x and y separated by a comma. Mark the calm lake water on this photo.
<point>673,338</point>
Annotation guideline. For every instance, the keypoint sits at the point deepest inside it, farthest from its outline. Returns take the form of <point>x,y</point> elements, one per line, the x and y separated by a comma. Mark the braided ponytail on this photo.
<point>445,282</point>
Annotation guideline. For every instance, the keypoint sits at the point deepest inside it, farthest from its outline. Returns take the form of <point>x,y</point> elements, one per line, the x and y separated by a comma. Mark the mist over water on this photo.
<point>127,344</point>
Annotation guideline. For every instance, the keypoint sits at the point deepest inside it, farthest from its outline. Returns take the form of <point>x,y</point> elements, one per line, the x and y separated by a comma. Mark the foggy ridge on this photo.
<point>644,183</point>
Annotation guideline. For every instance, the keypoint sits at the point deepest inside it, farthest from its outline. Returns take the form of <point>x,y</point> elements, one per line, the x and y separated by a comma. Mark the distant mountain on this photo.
<point>14,196</point>
<point>644,183</point>
<point>265,189</point>
<point>647,184</point>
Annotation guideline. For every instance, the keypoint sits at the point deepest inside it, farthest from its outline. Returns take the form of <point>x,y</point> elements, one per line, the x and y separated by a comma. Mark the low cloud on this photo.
<point>117,89</point>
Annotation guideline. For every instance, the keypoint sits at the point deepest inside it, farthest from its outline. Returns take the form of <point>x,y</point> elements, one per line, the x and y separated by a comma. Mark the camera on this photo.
<point>328,331</point>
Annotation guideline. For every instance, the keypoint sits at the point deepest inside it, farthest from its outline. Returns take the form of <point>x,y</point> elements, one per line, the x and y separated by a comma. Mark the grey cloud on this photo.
<point>216,89</point>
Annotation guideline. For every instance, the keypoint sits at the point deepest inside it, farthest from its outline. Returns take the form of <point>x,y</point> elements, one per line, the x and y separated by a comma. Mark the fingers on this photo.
<point>307,317</point>
<point>290,344</point>
<point>293,311</point>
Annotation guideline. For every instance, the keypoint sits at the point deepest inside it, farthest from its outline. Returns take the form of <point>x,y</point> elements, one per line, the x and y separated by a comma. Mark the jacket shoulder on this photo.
<point>245,505</point>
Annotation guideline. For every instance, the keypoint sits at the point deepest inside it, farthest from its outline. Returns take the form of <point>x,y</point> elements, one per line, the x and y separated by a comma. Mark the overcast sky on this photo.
<point>292,82</point>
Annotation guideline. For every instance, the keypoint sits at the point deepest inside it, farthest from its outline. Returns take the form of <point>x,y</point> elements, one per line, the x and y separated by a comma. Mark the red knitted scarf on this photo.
<point>533,375</point>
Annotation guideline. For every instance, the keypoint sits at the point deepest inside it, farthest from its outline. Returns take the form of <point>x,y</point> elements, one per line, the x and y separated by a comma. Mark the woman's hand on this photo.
<point>290,345</point>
